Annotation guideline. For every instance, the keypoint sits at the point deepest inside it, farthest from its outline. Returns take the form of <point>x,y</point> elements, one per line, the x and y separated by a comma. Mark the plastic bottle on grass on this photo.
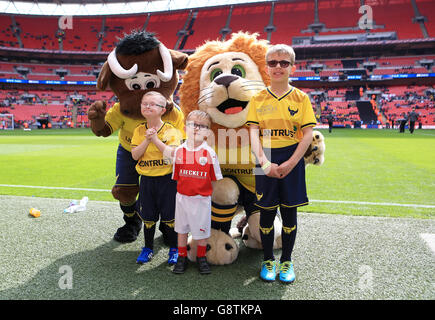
<point>35,213</point>
<point>76,206</point>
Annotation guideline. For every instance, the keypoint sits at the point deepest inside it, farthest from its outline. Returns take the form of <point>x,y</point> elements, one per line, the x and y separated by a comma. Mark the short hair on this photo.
<point>200,115</point>
<point>156,94</point>
<point>282,49</point>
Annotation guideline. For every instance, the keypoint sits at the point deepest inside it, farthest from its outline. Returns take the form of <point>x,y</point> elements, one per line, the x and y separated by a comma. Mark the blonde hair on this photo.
<point>282,49</point>
<point>199,114</point>
<point>156,94</point>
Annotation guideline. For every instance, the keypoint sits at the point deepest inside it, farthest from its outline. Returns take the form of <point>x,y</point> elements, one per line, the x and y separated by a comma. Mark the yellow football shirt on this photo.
<point>116,120</point>
<point>153,163</point>
<point>280,119</point>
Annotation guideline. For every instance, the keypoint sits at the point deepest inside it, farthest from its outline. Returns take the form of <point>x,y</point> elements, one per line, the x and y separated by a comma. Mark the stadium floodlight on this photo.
<point>6,121</point>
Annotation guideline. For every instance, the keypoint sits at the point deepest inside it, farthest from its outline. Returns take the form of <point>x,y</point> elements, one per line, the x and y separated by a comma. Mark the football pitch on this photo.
<point>367,233</point>
<point>366,172</point>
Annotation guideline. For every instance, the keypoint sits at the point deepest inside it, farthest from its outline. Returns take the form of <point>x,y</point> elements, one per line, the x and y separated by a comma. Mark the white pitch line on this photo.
<point>378,203</point>
<point>429,238</point>
<point>326,201</point>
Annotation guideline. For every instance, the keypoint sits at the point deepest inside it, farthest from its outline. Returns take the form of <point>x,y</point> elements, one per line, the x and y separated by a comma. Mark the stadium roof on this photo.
<point>106,7</point>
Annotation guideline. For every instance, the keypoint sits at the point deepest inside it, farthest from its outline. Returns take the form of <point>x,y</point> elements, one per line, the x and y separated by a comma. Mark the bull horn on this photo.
<point>166,75</point>
<point>117,69</point>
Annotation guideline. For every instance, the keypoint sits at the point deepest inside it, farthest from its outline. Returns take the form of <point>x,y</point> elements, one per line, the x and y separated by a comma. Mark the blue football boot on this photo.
<point>268,270</point>
<point>145,256</point>
<point>286,272</point>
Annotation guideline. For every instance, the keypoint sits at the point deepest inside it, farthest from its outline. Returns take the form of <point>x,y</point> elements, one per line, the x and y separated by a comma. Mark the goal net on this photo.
<point>6,121</point>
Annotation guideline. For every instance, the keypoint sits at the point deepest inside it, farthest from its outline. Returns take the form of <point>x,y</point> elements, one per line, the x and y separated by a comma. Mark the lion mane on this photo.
<point>239,42</point>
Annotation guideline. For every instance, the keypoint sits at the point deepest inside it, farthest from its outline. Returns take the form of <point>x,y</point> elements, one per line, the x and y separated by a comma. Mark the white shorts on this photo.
<point>193,214</point>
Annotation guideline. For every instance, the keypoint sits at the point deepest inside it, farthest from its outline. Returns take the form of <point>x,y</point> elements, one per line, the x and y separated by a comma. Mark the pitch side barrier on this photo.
<point>313,78</point>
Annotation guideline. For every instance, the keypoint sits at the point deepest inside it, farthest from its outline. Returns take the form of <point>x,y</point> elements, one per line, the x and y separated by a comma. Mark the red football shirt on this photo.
<point>195,169</point>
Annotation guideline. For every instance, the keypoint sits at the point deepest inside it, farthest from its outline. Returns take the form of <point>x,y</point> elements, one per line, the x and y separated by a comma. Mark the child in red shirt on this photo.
<point>195,167</point>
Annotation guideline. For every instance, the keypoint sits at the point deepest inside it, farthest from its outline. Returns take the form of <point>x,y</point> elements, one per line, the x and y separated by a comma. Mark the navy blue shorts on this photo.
<point>126,174</point>
<point>157,198</point>
<point>288,192</point>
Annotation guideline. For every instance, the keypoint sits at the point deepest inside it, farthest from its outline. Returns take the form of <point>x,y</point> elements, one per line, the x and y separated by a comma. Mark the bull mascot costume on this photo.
<point>139,63</point>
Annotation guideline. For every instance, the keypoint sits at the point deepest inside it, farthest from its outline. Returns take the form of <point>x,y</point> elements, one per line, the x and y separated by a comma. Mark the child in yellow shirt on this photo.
<point>156,189</point>
<point>281,121</point>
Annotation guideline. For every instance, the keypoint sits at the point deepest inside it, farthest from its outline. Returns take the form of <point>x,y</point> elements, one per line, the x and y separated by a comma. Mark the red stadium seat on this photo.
<point>207,25</point>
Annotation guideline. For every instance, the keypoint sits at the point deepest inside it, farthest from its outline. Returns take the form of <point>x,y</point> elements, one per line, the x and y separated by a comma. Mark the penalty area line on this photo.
<point>324,201</point>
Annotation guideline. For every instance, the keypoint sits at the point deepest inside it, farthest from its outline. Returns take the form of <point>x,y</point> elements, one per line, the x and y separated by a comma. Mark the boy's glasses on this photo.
<point>152,105</point>
<point>282,63</point>
<point>197,125</point>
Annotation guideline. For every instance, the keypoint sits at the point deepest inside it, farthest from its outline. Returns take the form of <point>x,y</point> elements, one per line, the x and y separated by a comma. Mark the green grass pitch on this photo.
<point>367,175</point>
<point>381,166</point>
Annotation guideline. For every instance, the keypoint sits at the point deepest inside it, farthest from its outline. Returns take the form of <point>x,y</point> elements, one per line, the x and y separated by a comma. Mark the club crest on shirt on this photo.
<point>292,112</point>
<point>259,196</point>
<point>202,161</point>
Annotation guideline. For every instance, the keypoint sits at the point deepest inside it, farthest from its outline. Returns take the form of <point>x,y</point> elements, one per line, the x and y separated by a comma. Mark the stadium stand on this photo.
<point>115,27</point>
<point>36,32</point>
<point>38,71</point>
<point>319,31</point>
<point>289,20</point>
<point>249,18</point>
<point>28,105</point>
<point>403,13</point>
<point>83,35</point>
<point>392,103</point>
<point>208,24</point>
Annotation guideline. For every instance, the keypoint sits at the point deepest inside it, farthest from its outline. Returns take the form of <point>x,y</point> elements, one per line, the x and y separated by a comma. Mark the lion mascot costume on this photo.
<point>221,77</point>
<point>139,63</point>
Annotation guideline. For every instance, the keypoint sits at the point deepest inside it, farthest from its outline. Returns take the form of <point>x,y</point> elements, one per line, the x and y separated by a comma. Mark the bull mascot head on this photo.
<point>141,63</point>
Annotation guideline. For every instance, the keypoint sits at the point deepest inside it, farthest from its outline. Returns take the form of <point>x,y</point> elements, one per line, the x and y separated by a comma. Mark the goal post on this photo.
<point>6,121</point>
